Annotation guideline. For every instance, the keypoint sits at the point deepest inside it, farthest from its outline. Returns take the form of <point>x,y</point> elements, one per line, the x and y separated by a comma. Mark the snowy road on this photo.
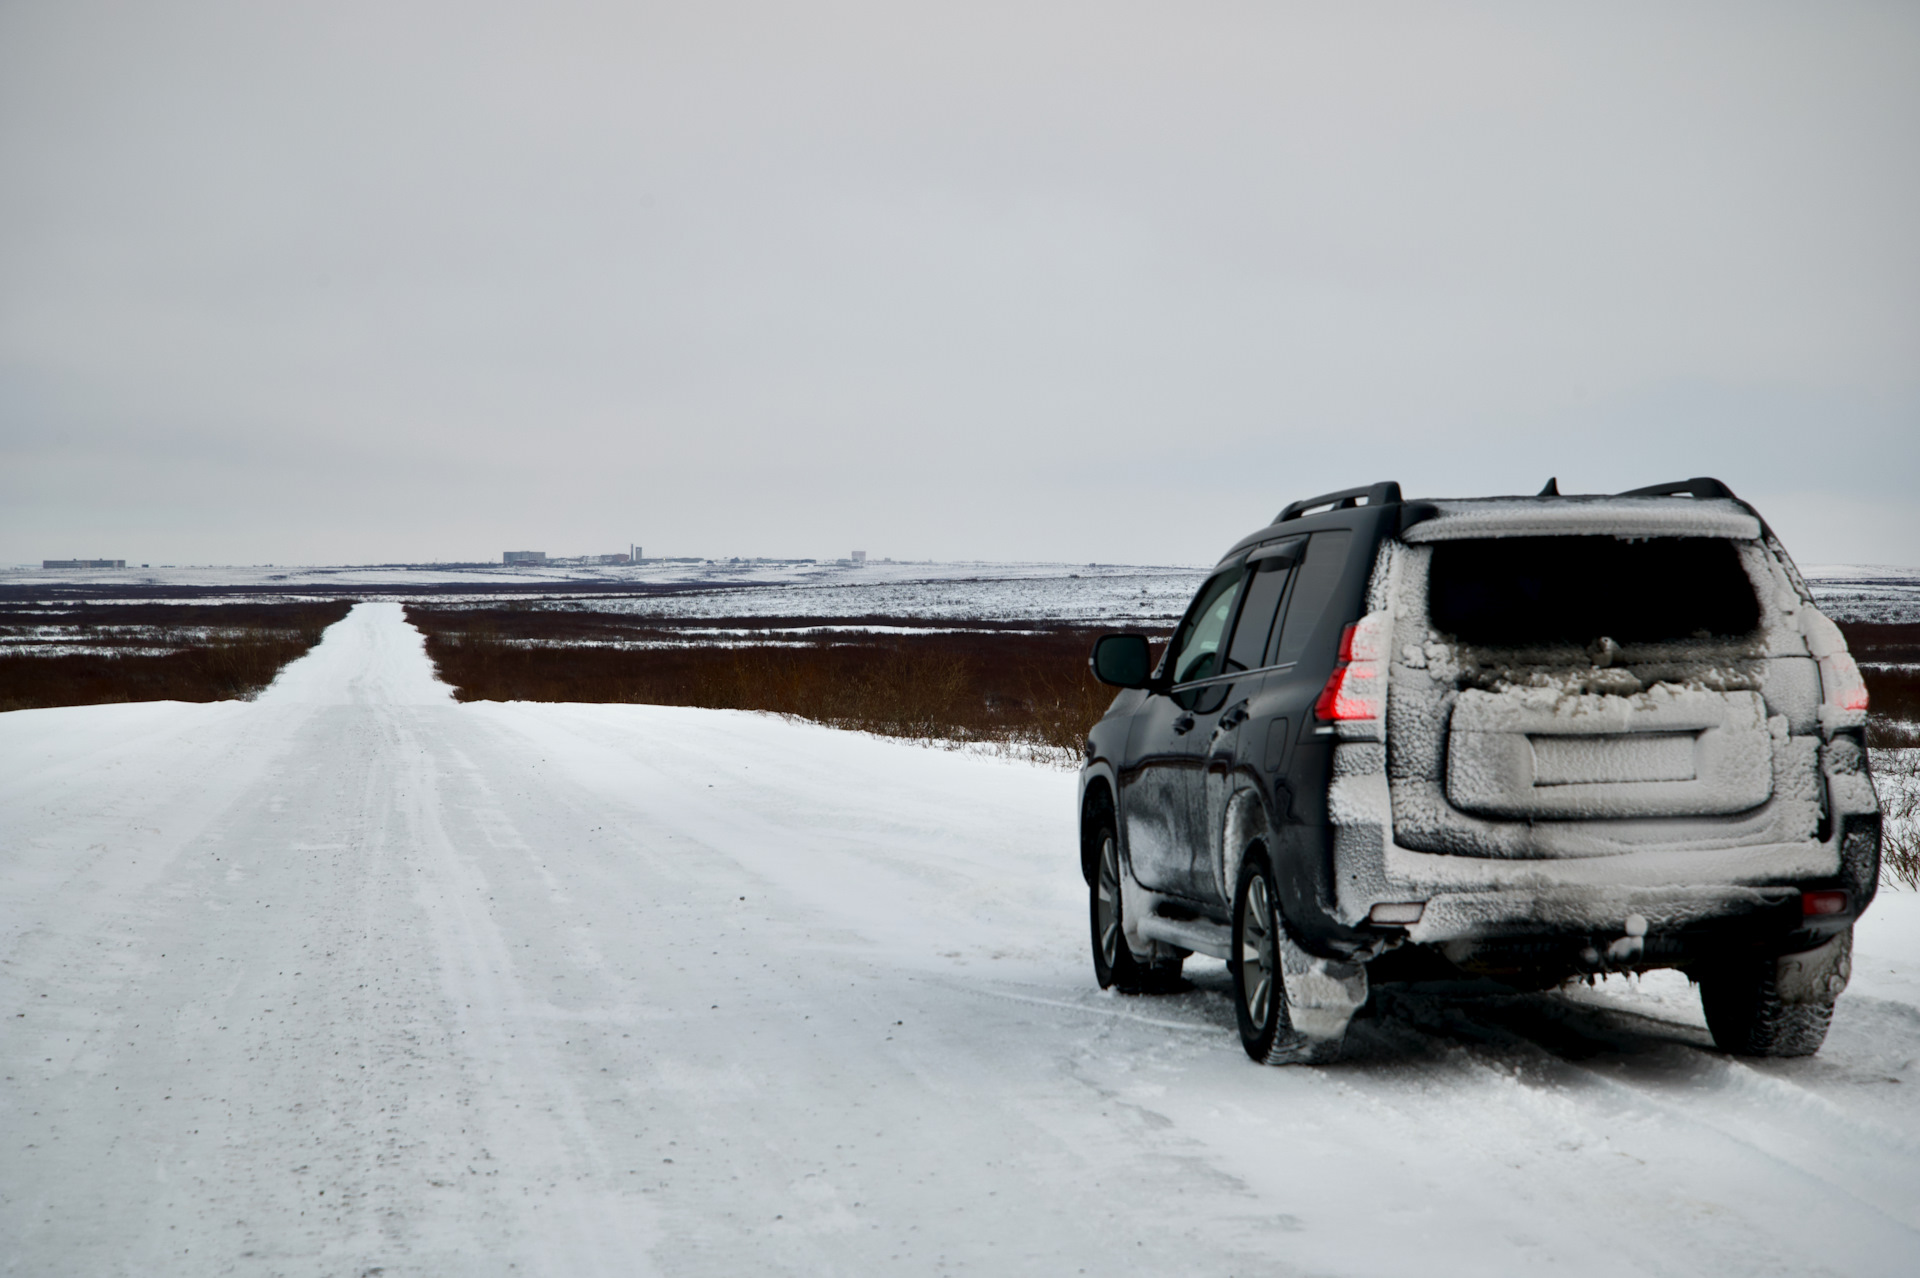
<point>355,980</point>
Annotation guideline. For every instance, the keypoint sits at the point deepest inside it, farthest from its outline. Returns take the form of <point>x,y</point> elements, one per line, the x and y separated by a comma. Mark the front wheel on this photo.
<point>1113,962</point>
<point>1259,977</point>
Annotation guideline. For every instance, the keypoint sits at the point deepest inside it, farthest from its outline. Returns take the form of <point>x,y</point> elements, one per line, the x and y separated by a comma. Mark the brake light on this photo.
<point>1841,683</point>
<point>1349,694</point>
<point>1843,693</point>
<point>1354,690</point>
<point>1816,904</point>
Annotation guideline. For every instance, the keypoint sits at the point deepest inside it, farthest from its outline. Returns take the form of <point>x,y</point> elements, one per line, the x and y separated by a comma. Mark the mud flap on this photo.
<point>1322,995</point>
<point>1815,976</point>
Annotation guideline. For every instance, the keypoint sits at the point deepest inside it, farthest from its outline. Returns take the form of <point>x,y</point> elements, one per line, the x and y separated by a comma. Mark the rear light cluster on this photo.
<point>1816,904</point>
<point>1358,689</point>
<point>1840,682</point>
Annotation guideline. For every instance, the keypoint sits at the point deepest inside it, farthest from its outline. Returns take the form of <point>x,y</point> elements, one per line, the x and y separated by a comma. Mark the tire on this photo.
<point>1259,983</point>
<point>1114,965</point>
<point>1749,1016</point>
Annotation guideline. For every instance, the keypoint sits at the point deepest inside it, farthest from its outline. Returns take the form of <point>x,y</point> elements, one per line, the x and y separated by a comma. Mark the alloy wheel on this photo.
<point>1256,953</point>
<point>1107,893</point>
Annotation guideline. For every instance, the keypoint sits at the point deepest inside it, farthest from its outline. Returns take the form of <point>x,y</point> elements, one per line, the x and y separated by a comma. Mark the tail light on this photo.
<point>1817,904</point>
<point>1355,690</point>
<point>1840,682</point>
<point>1843,693</point>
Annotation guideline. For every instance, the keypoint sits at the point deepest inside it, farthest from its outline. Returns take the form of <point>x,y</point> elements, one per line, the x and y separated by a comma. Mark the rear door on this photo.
<point>1695,750</point>
<point>1164,744</point>
<point>1269,573</point>
<point>1292,685</point>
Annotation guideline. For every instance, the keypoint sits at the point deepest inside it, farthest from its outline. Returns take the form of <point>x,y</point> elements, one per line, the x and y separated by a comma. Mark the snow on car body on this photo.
<point>1524,737</point>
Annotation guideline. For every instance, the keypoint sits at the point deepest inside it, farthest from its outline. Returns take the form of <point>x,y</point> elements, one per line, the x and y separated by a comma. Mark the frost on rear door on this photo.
<point>1564,696</point>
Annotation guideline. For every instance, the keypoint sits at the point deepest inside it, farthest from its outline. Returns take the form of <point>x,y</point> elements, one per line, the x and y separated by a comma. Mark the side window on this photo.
<point>1264,592</point>
<point>1196,648</point>
<point>1318,577</point>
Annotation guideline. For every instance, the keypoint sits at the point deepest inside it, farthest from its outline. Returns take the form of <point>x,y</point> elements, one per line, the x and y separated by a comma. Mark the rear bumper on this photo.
<point>1740,893</point>
<point>1456,916</point>
<point>1699,933</point>
<point>1684,867</point>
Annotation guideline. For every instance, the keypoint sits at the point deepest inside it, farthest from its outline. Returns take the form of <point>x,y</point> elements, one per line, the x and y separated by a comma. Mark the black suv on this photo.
<point>1528,738</point>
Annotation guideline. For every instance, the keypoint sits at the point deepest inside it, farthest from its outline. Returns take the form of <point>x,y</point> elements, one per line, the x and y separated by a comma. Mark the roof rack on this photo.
<point>1699,486</point>
<point>1378,495</point>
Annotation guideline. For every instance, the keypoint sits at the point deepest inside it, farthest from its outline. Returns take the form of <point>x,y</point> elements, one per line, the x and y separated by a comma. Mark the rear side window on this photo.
<point>1514,591</point>
<point>1250,635</point>
<point>1318,577</point>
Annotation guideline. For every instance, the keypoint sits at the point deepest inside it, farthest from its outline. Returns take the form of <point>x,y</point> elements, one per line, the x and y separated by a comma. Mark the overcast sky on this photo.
<point>356,283</point>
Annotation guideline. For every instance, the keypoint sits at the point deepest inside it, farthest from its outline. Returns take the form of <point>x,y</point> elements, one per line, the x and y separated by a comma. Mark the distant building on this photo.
<point>523,556</point>
<point>858,556</point>
<point>83,563</point>
<point>607,559</point>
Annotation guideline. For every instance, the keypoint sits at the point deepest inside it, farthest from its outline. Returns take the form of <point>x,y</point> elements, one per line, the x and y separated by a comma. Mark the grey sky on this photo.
<point>342,282</point>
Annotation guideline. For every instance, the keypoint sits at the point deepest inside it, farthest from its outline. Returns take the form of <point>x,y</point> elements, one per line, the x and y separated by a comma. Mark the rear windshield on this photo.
<point>1516,591</point>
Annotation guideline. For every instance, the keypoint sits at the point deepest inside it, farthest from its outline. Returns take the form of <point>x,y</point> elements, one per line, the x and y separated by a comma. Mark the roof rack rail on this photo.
<point>1378,495</point>
<point>1699,486</point>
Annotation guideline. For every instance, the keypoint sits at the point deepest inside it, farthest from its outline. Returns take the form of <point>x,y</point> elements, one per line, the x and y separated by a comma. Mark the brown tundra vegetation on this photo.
<point>1019,686</point>
<point>151,652</point>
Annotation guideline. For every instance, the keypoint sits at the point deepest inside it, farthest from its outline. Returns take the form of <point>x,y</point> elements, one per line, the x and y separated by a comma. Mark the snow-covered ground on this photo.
<point>1110,595</point>
<point>1105,594</point>
<point>1117,594</point>
<point>1866,592</point>
<point>355,980</point>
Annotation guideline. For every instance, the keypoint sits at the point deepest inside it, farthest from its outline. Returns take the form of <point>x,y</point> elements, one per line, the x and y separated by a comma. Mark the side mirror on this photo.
<point>1122,660</point>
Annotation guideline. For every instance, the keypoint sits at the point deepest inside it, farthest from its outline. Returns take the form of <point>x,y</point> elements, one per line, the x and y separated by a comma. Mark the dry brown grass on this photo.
<point>223,652</point>
<point>1880,641</point>
<point>1897,780</point>
<point>1893,732</point>
<point>999,686</point>
<point>1893,693</point>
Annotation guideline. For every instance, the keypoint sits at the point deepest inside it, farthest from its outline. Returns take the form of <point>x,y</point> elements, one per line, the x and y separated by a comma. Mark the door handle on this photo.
<point>1234,717</point>
<point>1183,725</point>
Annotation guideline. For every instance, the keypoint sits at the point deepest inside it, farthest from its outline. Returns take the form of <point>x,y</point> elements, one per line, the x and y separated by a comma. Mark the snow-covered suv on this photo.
<point>1531,738</point>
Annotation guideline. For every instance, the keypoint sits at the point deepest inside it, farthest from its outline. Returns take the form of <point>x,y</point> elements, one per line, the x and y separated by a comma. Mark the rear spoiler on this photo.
<point>1706,487</point>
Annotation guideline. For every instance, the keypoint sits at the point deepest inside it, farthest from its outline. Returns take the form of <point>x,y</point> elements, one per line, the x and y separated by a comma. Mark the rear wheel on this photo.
<point>1259,978</point>
<point>1113,962</point>
<point>1750,1013</point>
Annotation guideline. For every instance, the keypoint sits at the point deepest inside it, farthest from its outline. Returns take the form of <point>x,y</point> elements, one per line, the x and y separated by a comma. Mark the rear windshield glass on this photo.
<point>1515,591</point>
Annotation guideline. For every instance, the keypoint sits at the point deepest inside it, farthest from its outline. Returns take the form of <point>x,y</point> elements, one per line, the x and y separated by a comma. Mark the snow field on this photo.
<point>356,978</point>
<point>1051,592</point>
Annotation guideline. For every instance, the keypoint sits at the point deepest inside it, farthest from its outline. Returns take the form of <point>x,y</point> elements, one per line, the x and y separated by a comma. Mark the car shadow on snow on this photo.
<point>1557,1037</point>
<point>1872,1042</point>
<point>1436,1021</point>
<point>1568,1039</point>
<point>1430,1019</point>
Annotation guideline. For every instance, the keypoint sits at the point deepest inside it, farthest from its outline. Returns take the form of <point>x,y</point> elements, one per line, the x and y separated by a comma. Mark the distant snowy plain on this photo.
<point>1094,594</point>
<point>356,980</point>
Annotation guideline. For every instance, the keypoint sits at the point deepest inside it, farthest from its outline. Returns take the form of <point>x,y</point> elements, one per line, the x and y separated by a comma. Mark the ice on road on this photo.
<point>354,979</point>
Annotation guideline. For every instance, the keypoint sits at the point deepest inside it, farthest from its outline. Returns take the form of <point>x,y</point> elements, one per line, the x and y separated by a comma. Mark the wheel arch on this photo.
<point>1096,799</point>
<point>1245,827</point>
